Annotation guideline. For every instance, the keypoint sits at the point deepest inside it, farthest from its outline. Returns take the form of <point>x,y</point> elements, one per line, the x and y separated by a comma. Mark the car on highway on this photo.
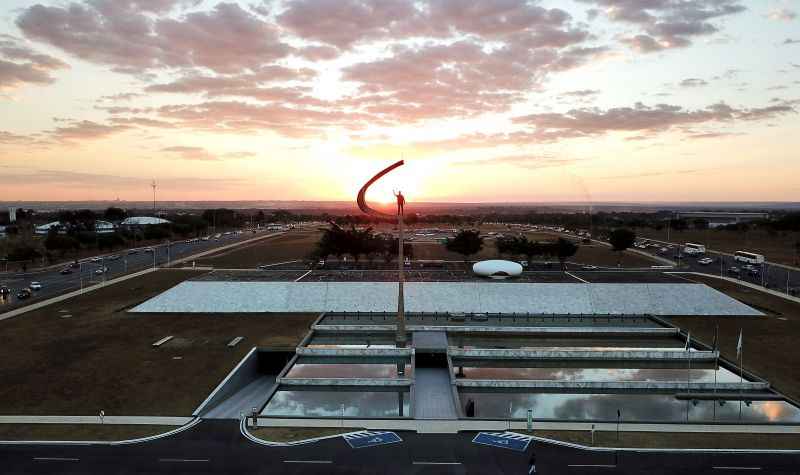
<point>115,257</point>
<point>148,249</point>
<point>97,259</point>
<point>589,267</point>
<point>705,261</point>
<point>75,265</point>
<point>734,271</point>
<point>751,269</point>
<point>35,286</point>
<point>24,294</point>
<point>66,271</point>
<point>133,251</point>
<point>4,291</point>
<point>101,271</point>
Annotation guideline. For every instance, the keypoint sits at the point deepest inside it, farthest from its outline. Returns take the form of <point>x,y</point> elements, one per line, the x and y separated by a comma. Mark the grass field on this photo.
<point>778,247</point>
<point>294,245</point>
<point>294,434</point>
<point>770,346</point>
<point>675,440</point>
<point>101,358</point>
<point>91,432</point>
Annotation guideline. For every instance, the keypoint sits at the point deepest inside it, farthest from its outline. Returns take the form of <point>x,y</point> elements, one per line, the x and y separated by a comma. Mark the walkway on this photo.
<point>253,395</point>
<point>433,396</point>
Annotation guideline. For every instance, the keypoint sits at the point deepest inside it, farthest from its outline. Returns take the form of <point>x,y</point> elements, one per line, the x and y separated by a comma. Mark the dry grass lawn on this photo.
<point>294,434</point>
<point>770,343</point>
<point>101,358</point>
<point>295,245</point>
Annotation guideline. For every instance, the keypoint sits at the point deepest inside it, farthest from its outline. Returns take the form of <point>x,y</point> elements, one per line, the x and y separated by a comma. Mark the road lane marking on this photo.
<point>182,460</point>
<point>576,277</point>
<point>592,466</point>
<point>55,459</point>
<point>308,461</point>
<point>736,468</point>
<point>435,463</point>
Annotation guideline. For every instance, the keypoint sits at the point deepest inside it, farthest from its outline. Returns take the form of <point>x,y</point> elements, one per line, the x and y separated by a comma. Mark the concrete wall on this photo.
<point>243,374</point>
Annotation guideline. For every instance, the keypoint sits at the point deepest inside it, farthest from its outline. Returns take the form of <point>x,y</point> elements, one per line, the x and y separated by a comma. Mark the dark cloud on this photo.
<point>21,65</point>
<point>667,24</point>
<point>225,39</point>
<point>76,131</point>
<point>593,121</point>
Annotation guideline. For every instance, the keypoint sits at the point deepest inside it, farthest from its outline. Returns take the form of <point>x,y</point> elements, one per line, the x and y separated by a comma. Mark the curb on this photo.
<point>573,445</point>
<point>267,443</point>
<point>104,442</point>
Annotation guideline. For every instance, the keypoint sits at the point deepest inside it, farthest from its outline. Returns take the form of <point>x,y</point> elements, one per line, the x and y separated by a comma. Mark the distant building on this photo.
<point>142,221</point>
<point>45,228</point>
<point>721,218</point>
<point>100,227</point>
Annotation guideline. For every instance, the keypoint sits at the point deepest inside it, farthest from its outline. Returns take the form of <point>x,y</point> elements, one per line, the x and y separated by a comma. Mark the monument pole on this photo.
<point>400,337</point>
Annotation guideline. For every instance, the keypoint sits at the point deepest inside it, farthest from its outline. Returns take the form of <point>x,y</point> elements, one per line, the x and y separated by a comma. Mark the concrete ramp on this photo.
<point>244,400</point>
<point>433,396</point>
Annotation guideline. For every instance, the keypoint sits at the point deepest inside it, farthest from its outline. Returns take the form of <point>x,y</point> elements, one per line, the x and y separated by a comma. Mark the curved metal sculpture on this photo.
<point>362,204</point>
<point>362,200</point>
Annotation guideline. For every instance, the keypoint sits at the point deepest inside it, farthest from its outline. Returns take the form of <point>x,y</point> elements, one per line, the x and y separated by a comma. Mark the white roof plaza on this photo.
<point>454,297</point>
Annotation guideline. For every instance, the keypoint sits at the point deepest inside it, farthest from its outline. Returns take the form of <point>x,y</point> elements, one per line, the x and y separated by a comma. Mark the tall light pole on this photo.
<point>362,204</point>
<point>153,185</point>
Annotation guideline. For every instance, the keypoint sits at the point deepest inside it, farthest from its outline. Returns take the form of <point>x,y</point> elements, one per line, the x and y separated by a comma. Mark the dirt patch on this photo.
<point>102,358</point>
<point>769,344</point>
<point>79,432</point>
<point>294,434</point>
<point>295,245</point>
<point>675,440</point>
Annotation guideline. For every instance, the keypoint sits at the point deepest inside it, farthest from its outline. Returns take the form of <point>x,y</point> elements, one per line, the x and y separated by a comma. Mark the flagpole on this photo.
<point>689,374</point>
<point>740,351</point>
<point>716,370</point>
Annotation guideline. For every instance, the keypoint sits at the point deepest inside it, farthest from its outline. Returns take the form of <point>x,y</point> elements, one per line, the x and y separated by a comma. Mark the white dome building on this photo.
<point>497,269</point>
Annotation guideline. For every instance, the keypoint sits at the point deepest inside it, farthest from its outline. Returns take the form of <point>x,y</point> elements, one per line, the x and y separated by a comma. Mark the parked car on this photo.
<point>24,294</point>
<point>66,271</point>
<point>35,286</point>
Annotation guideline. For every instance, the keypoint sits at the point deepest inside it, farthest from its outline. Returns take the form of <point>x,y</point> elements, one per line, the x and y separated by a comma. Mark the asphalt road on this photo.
<point>217,447</point>
<point>54,283</point>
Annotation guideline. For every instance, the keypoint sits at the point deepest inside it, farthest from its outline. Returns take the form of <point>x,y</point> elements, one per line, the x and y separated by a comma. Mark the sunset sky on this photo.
<point>507,100</point>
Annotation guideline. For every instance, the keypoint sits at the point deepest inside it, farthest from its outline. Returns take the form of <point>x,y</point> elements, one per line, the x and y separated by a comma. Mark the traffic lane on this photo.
<point>54,283</point>
<point>774,277</point>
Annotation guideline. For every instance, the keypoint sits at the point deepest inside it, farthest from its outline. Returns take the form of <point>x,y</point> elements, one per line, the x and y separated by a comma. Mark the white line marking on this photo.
<point>435,463</point>
<point>182,460</point>
<point>55,459</point>
<point>576,277</point>
<point>736,468</point>
<point>301,277</point>
<point>593,466</point>
<point>307,461</point>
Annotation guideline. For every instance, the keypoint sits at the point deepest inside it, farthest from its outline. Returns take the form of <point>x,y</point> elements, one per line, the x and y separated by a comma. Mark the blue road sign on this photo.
<point>368,438</point>
<point>504,440</point>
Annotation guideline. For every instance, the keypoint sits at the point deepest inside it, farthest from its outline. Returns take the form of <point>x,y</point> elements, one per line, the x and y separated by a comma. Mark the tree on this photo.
<point>466,243</point>
<point>621,239</point>
<point>564,249</point>
<point>115,214</point>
